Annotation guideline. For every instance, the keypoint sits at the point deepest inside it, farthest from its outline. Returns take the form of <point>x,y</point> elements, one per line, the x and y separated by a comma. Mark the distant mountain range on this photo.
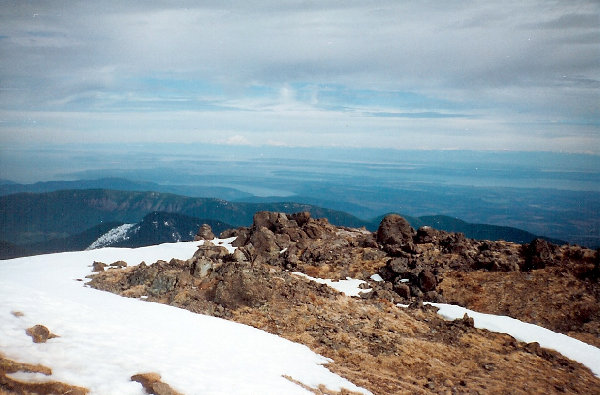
<point>8,187</point>
<point>154,228</point>
<point>34,223</point>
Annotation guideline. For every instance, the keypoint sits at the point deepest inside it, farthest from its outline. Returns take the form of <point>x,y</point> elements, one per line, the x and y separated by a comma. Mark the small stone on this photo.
<point>98,266</point>
<point>40,334</point>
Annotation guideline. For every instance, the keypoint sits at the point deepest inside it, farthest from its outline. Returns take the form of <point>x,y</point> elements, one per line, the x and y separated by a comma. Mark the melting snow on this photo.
<point>571,348</point>
<point>115,234</point>
<point>376,277</point>
<point>349,286</point>
<point>105,338</point>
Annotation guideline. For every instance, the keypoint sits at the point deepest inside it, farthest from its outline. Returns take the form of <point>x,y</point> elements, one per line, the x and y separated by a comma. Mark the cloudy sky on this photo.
<point>516,75</point>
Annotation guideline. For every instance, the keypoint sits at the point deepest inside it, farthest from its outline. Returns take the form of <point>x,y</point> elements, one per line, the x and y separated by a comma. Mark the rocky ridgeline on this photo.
<point>369,339</point>
<point>412,263</point>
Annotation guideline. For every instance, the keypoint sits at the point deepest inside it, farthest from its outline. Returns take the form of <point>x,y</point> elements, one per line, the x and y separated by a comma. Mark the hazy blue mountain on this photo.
<point>122,184</point>
<point>76,242</point>
<point>154,228</point>
<point>35,217</point>
<point>160,227</point>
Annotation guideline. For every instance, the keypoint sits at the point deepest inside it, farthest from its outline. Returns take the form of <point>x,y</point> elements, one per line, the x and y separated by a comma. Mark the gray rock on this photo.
<point>163,283</point>
<point>204,233</point>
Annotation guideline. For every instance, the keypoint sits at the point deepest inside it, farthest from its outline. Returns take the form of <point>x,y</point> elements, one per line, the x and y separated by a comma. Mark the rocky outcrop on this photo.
<point>40,334</point>
<point>395,235</point>
<point>204,233</point>
<point>537,255</point>
<point>368,338</point>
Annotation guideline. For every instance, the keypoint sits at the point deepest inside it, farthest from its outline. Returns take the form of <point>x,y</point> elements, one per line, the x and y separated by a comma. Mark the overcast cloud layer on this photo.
<point>517,75</point>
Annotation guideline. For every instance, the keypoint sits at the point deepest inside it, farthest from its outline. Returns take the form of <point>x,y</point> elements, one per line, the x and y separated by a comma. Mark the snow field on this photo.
<point>105,338</point>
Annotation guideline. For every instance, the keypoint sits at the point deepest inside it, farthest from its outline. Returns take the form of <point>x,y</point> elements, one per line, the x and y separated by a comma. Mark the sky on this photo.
<point>475,75</point>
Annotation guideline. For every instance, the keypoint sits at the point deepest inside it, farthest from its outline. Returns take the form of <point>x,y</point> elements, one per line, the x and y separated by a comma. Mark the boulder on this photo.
<point>270,220</point>
<point>300,218</point>
<point>395,234</point>
<point>98,266</point>
<point>40,334</point>
<point>119,264</point>
<point>163,283</point>
<point>204,233</point>
<point>152,384</point>
<point>402,290</point>
<point>427,281</point>
<point>426,234</point>
<point>537,255</point>
<point>211,251</point>
<point>142,275</point>
<point>200,267</point>
<point>264,242</point>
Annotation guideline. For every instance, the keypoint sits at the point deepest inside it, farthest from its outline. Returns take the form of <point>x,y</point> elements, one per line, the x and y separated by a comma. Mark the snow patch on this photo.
<point>376,277</point>
<point>105,338</point>
<point>349,286</point>
<point>112,236</point>
<point>225,243</point>
<point>571,348</point>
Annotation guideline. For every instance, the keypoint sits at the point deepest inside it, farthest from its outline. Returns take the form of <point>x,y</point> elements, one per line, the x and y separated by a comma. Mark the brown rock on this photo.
<point>210,251</point>
<point>270,220</point>
<point>402,289</point>
<point>40,334</point>
<point>264,242</point>
<point>119,264</point>
<point>153,385</point>
<point>204,233</point>
<point>98,266</point>
<point>395,234</point>
<point>538,254</point>
<point>426,234</point>
<point>427,281</point>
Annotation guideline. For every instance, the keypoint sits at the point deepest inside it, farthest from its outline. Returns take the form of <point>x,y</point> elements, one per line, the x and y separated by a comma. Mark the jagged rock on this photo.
<point>265,245</point>
<point>142,275</point>
<point>270,220</point>
<point>301,218</point>
<point>537,254</point>
<point>241,286</point>
<point>211,251</point>
<point>402,289</point>
<point>427,281</point>
<point>98,266</point>
<point>163,283</point>
<point>204,233</point>
<point>454,243</point>
<point>395,235</point>
<point>201,266</point>
<point>40,334</point>
<point>426,234</point>
<point>119,264</point>
<point>152,384</point>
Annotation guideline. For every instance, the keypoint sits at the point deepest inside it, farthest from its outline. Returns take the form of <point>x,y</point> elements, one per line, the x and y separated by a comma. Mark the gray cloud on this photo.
<point>510,63</point>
